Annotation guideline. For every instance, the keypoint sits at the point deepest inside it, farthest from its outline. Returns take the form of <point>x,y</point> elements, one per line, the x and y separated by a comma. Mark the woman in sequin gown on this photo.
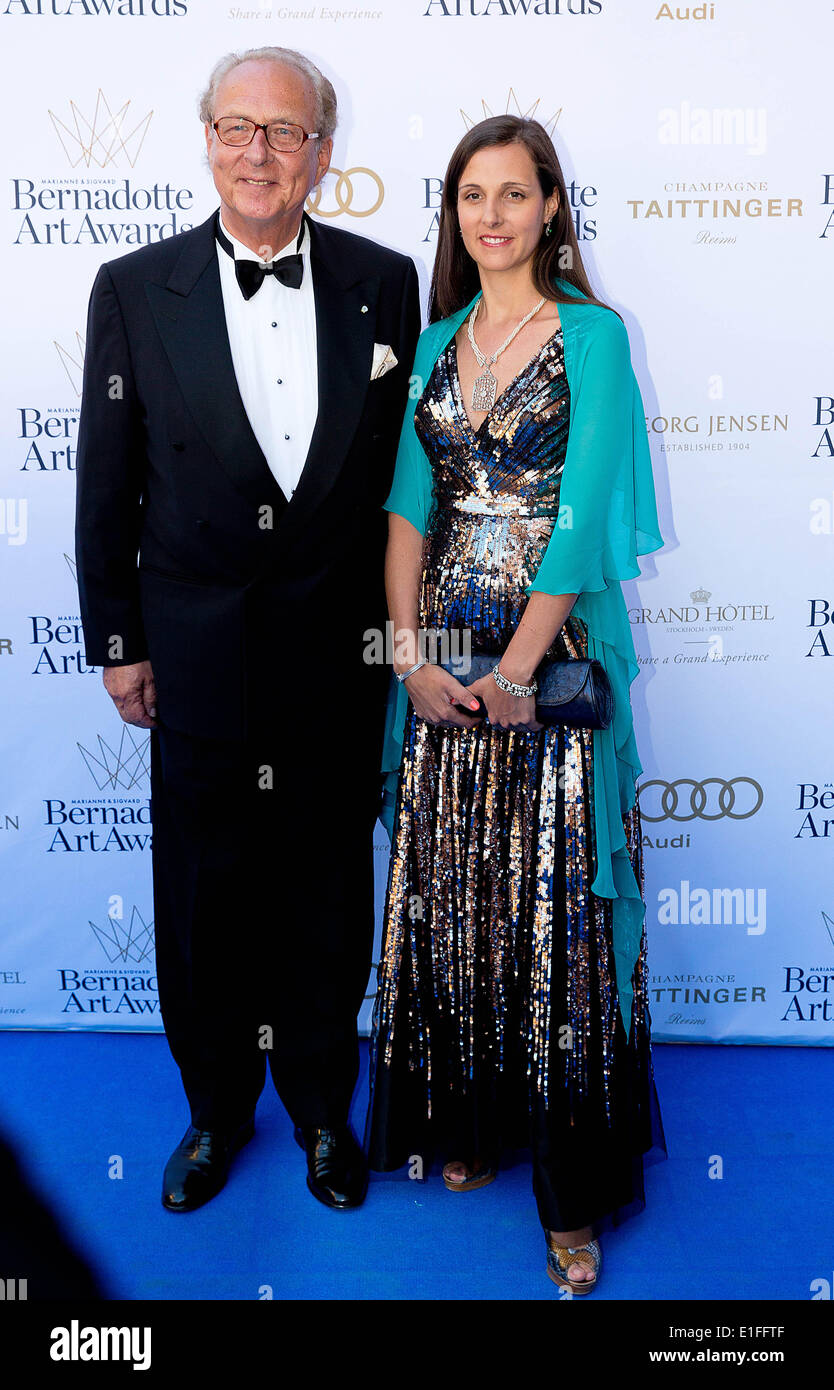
<point>496,1024</point>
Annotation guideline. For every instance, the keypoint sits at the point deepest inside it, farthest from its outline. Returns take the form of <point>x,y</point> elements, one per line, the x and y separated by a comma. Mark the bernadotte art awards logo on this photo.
<point>815,806</point>
<point>130,989</point>
<point>98,825</point>
<point>106,207</point>
<point>97,207</point>
<point>808,989</point>
<point>119,823</point>
<point>116,761</point>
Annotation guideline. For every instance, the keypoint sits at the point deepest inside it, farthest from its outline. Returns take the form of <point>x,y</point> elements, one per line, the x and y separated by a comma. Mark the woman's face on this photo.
<point>501,208</point>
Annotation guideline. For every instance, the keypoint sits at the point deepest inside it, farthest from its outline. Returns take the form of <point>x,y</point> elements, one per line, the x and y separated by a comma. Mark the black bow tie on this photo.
<point>250,274</point>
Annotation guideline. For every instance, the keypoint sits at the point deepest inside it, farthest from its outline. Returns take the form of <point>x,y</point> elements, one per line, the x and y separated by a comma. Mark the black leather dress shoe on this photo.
<point>199,1165</point>
<point>337,1170</point>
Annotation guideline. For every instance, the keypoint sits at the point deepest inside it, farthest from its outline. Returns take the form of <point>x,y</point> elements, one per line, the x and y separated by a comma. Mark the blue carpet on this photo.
<point>71,1103</point>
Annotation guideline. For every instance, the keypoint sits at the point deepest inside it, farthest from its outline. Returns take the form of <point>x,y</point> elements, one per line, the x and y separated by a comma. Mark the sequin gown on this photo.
<point>496,1024</point>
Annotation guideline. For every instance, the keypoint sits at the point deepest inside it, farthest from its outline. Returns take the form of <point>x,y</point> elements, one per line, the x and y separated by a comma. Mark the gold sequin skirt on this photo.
<point>496,1022</point>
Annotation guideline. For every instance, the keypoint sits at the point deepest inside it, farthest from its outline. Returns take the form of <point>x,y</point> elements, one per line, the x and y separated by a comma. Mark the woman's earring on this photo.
<point>548,231</point>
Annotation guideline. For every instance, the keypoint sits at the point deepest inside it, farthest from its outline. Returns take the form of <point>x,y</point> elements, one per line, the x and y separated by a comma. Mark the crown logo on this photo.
<point>126,942</point>
<point>101,140</point>
<point>700,596</point>
<point>512,102</point>
<point>124,767</point>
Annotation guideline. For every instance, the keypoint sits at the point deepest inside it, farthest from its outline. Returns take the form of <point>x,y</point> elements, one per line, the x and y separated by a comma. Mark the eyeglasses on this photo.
<point>236,130</point>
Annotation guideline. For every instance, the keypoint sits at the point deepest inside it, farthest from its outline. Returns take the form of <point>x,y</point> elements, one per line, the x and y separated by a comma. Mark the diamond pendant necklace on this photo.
<point>483,389</point>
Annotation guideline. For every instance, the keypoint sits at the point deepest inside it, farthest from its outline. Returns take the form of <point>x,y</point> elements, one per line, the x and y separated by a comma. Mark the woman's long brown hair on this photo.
<point>455,280</point>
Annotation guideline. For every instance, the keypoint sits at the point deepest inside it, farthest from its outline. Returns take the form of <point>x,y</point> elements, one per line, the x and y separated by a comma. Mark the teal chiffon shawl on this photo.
<point>607,517</point>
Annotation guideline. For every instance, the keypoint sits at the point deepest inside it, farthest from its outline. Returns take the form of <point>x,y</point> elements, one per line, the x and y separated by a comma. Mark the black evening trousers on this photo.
<point>263,899</point>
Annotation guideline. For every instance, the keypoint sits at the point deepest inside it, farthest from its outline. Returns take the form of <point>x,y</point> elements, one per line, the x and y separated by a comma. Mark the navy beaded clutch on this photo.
<point>576,692</point>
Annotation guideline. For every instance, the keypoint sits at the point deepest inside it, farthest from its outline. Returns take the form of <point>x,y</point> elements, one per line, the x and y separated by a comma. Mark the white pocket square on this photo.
<point>384,360</point>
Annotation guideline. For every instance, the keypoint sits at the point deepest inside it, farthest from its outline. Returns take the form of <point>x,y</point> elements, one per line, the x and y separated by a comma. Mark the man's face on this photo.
<point>261,187</point>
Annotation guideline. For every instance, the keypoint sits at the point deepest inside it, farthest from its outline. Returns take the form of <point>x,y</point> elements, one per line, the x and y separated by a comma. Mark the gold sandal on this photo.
<point>561,1257</point>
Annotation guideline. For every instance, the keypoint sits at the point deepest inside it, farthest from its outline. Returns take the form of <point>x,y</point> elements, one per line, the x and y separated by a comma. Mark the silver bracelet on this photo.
<point>410,672</point>
<point>510,687</point>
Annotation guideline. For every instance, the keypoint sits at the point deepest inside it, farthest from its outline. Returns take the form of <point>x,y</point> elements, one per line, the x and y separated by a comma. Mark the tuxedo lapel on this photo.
<point>345,318</point>
<point>189,315</point>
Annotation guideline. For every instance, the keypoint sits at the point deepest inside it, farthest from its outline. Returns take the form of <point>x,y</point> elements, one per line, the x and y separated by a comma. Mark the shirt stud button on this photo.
<point>364,309</point>
<point>279,381</point>
<point>286,436</point>
<point>274,324</point>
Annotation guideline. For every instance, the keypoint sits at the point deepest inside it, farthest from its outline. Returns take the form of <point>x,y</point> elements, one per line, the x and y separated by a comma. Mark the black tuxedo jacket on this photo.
<point>188,552</point>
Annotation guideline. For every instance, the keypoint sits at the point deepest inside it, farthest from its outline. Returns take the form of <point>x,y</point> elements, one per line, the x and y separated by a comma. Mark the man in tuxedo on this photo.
<point>244,388</point>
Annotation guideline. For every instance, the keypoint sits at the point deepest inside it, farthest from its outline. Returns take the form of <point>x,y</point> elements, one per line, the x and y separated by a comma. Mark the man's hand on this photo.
<point>132,690</point>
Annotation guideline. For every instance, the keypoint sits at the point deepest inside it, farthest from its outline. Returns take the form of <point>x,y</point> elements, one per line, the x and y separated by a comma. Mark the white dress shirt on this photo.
<point>273,341</point>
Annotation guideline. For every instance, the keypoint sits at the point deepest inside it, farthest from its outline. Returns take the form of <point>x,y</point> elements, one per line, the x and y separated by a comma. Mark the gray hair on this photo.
<point>326,115</point>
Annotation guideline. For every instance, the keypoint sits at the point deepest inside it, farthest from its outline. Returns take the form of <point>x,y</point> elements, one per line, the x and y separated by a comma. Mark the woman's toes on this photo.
<point>456,1172</point>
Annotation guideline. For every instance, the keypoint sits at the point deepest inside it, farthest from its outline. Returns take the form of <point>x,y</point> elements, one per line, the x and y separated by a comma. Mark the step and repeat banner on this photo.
<point>698,152</point>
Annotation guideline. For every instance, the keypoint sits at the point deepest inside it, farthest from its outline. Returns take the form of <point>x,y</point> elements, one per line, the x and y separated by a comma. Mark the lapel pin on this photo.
<point>364,309</point>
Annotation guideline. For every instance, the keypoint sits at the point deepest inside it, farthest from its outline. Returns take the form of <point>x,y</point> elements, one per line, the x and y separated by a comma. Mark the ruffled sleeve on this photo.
<point>410,494</point>
<point>607,507</point>
<point>607,518</point>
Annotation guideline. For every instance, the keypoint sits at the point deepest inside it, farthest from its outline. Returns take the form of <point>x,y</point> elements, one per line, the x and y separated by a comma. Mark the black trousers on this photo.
<point>264,915</point>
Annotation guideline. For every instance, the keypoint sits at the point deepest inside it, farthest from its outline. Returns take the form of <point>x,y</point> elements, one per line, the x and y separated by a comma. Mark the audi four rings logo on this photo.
<point>344,191</point>
<point>729,799</point>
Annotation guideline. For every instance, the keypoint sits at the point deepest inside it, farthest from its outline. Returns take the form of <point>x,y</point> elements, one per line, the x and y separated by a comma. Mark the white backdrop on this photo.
<point>697,146</point>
